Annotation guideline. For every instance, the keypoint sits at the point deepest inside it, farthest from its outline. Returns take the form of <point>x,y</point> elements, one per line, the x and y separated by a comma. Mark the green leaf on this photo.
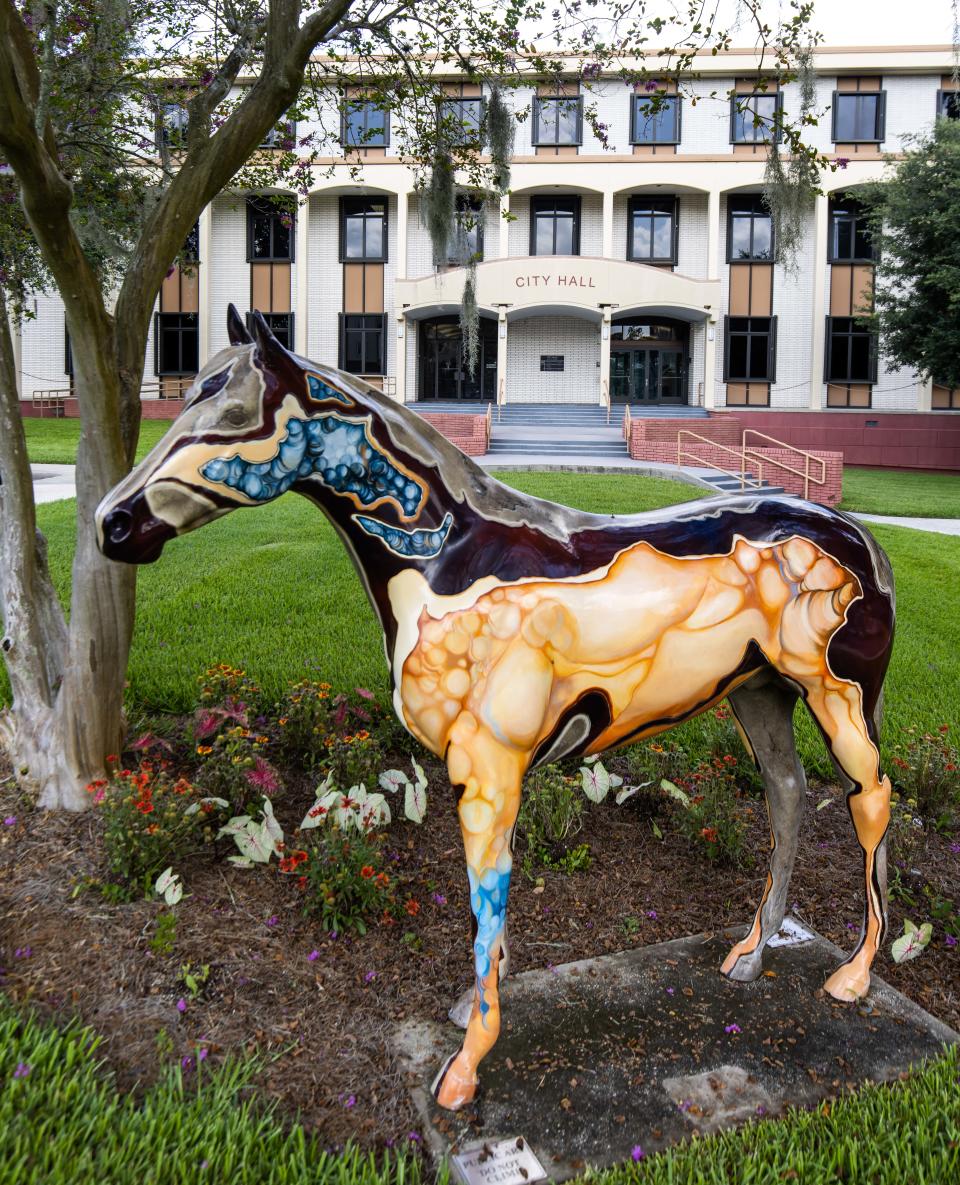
<point>912,942</point>
<point>656,830</point>
<point>415,802</point>
<point>596,781</point>
<point>675,792</point>
<point>392,779</point>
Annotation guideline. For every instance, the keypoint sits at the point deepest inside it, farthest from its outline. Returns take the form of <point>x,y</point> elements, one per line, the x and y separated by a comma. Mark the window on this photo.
<point>551,361</point>
<point>858,117</point>
<point>282,135</point>
<point>652,230</point>
<point>466,243</point>
<point>753,118</point>
<point>849,232</point>
<point>176,343</point>
<point>558,121</point>
<point>750,229</point>
<point>269,232</point>
<point>461,120</point>
<point>362,342</point>
<point>948,104</point>
<point>750,349</point>
<point>655,120</point>
<point>172,126</point>
<point>281,326</point>
<point>851,352</point>
<point>555,225</point>
<point>363,229</point>
<point>365,125</point>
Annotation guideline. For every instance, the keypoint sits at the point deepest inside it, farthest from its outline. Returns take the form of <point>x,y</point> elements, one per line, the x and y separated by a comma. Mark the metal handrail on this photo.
<point>807,458</point>
<point>489,424</point>
<point>606,398</point>
<point>740,475</point>
<point>501,394</point>
<point>626,424</point>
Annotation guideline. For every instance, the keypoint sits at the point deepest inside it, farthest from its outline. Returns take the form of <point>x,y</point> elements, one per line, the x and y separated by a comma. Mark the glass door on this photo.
<point>620,376</point>
<point>671,377</point>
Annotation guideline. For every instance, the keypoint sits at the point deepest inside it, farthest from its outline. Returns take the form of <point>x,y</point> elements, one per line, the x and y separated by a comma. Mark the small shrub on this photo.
<point>233,767</point>
<point>551,813</point>
<point>345,881</point>
<point>652,761</point>
<point>148,825</point>
<point>713,819</point>
<point>927,770</point>
<point>224,684</point>
<point>906,838</point>
<point>312,721</point>
<point>164,934</point>
<point>354,759</point>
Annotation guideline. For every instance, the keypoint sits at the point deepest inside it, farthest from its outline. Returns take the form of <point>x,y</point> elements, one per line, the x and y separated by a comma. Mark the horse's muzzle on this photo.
<point>128,532</point>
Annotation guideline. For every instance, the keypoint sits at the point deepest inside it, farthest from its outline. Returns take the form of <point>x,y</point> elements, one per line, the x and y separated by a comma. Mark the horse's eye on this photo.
<point>236,417</point>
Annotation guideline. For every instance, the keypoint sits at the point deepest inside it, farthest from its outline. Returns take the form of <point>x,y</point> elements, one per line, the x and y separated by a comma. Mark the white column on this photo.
<point>400,267</point>
<point>924,394</point>
<point>302,298</point>
<point>502,356</point>
<point>608,226</point>
<point>205,249</point>
<point>504,226</point>
<point>402,328</point>
<point>713,234</point>
<point>819,290</point>
<point>604,353</point>
<point>710,363</point>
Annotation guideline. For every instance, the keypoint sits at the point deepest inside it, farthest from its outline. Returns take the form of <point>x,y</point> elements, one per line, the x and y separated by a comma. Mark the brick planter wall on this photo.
<point>660,445</point>
<point>467,432</point>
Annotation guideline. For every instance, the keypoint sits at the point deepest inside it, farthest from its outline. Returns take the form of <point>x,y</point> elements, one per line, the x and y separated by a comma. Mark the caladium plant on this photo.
<point>414,793</point>
<point>597,781</point>
<point>912,942</point>
<point>257,839</point>
<point>168,886</point>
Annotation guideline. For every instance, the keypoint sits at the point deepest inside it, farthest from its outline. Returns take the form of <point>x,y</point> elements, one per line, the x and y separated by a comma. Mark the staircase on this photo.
<point>568,429</point>
<point>728,483</point>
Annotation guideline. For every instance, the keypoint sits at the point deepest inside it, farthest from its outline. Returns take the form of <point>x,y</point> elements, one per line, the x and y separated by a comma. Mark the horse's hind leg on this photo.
<point>838,708</point>
<point>763,708</point>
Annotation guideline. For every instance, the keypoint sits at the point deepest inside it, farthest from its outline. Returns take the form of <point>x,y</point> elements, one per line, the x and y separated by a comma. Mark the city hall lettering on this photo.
<point>562,281</point>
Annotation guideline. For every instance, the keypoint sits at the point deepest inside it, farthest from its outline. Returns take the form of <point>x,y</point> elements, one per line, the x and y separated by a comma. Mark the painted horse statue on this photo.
<point>518,631</point>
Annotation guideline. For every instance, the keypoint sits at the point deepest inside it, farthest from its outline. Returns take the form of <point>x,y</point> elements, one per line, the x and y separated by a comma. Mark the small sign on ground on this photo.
<point>503,1162</point>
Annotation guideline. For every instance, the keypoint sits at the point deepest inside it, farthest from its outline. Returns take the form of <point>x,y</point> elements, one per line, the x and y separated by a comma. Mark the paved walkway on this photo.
<point>52,483</point>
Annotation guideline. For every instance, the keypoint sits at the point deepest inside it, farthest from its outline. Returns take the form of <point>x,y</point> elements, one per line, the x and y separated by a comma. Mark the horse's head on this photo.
<point>244,436</point>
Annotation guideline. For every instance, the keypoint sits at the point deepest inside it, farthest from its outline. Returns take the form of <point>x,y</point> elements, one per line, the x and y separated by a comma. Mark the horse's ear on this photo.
<point>269,349</point>
<point>236,330</point>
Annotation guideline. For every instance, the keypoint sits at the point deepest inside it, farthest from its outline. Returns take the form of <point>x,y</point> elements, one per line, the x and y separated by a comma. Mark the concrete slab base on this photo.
<point>648,1046</point>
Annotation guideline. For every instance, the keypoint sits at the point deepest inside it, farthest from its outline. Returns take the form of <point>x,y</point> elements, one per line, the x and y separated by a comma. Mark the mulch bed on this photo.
<point>325,1022</point>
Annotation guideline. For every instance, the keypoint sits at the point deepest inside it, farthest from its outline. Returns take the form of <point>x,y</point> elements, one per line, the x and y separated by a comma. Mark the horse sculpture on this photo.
<point>518,631</point>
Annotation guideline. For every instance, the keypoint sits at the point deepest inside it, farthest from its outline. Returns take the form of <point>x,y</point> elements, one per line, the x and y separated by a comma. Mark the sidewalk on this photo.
<point>52,483</point>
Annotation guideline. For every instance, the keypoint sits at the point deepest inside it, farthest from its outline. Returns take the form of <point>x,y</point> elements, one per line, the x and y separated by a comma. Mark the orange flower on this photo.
<point>382,880</point>
<point>412,907</point>
<point>709,834</point>
<point>203,750</point>
<point>301,882</point>
<point>144,807</point>
<point>367,871</point>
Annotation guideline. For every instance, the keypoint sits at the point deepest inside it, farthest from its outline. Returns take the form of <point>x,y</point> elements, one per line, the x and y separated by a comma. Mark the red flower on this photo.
<point>367,871</point>
<point>144,807</point>
<point>412,907</point>
<point>287,864</point>
<point>301,882</point>
<point>382,880</point>
<point>709,834</point>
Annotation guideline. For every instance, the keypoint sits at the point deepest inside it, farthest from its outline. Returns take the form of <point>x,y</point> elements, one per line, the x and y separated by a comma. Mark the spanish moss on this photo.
<point>500,128</point>
<point>470,319</point>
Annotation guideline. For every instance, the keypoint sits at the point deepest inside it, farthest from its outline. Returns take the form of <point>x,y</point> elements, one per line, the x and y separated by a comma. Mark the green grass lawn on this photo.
<point>54,442</point>
<point>273,591</point>
<point>65,1123</point>
<point>887,491</point>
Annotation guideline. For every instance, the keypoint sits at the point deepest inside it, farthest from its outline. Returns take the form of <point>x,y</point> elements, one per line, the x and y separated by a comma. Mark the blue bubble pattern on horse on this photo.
<point>321,391</point>
<point>335,450</point>
<point>417,545</point>
<point>488,899</point>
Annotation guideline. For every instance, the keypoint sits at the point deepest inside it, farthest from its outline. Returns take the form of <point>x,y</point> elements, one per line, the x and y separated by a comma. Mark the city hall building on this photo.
<point>639,273</point>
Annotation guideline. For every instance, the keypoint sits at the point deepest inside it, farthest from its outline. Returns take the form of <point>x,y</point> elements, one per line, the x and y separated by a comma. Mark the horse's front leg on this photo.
<point>488,811</point>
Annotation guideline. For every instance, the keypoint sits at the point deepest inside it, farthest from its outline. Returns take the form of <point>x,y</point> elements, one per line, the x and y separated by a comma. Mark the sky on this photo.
<point>884,22</point>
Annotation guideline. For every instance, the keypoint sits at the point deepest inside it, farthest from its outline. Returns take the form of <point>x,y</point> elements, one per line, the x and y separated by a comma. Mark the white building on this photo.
<point>642,272</point>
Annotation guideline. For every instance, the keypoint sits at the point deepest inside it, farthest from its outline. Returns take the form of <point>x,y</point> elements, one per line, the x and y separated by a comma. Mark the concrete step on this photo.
<point>731,485</point>
<point>564,448</point>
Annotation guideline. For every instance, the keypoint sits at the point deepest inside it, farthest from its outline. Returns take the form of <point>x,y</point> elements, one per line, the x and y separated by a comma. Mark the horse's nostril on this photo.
<point>117,526</point>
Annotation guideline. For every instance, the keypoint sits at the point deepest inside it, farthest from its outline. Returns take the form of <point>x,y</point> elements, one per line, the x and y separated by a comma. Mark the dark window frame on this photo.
<point>855,215</point>
<point>879,123</point>
<point>160,330</point>
<point>738,99</point>
<point>636,119</point>
<point>367,105</point>
<point>345,212</point>
<point>759,210</point>
<point>270,318</point>
<point>674,213</point>
<point>365,330</point>
<point>282,130</point>
<point>947,98</point>
<point>855,330</point>
<point>463,200</point>
<point>538,207</point>
<point>164,138</point>
<point>260,206</point>
<point>462,137</point>
<point>536,135</point>
<point>749,333</point>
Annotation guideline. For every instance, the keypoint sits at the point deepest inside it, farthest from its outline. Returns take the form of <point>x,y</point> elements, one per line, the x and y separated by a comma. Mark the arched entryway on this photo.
<point>649,360</point>
<point>443,372</point>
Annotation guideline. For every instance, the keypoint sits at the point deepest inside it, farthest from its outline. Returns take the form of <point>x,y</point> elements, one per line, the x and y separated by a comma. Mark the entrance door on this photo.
<point>443,370</point>
<point>646,375</point>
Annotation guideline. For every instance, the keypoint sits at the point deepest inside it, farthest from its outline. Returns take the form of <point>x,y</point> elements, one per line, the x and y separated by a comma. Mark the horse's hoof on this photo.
<point>459,1014</point>
<point>452,1088</point>
<point>848,984</point>
<point>742,968</point>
